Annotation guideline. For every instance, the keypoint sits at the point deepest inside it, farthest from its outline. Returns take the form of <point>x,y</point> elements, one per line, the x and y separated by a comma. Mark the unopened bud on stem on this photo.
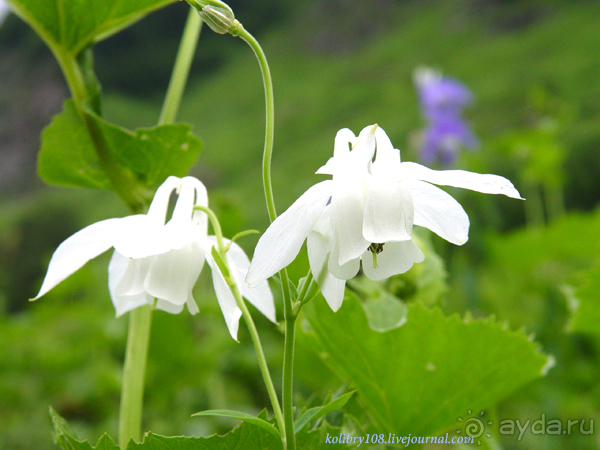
<point>216,14</point>
<point>220,20</point>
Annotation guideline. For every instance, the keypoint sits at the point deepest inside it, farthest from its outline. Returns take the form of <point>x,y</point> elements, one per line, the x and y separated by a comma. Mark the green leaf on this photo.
<point>244,437</point>
<point>66,439</point>
<point>385,312</point>
<point>421,377</point>
<point>243,417</point>
<point>586,304</point>
<point>320,411</point>
<point>317,439</point>
<point>70,26</point>
<point>68,156</point>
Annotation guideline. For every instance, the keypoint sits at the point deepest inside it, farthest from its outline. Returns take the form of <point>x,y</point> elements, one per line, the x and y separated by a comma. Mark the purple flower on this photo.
<point>442,103</point>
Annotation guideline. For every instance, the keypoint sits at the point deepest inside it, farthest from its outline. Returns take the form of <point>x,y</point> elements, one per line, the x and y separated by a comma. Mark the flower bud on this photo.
<point>219,19</point>
<point>216,14</point>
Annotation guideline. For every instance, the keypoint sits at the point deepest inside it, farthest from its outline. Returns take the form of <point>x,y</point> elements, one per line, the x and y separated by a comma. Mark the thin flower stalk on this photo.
<point>288,355</point>
<point>262,361</point>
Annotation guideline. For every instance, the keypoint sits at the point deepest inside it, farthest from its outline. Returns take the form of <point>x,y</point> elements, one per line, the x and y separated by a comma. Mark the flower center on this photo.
<point>375,249</point>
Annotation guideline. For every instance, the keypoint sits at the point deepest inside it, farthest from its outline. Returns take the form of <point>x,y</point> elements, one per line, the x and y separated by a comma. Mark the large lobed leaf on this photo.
<point>419,378</point>
<point>71,25</point>
<point>68,156</point>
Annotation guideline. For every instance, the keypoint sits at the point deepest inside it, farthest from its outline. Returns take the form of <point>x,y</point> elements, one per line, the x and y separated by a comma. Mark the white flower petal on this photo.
<point>260,295</point>
<point>116,270</point>
<point>282,241</point>
<point>343,139</point>
<point>413,252</point>
<point>348,205</point>
<point>127,303</point>
<point>229,307</point>
<point>118,267</point>
<point>342,271</point>
<point>74,252</point>
<point>192,306</point>
<point>319,245</point>
<point>172,275</point>
<point>485,183</point>
<point>139,236</point>
<point>439,211</point>
<point>192,193</point>
<point>387,158</point>
<point>366,140</point>
<point>329,168</point>
<point>396,257</point>
<point>160,203</point>
<point>182,212</point>
<point>333,290</point>
<point>389,211</point>
<point>126,276</point>
<point>167,306</point>
<point>199,218</point>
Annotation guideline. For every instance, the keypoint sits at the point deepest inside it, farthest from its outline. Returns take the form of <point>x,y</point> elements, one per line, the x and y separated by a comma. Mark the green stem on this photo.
<point>138,338</point>
<point>132,194</point>
<point>305,293</point>
<point>270,116</point>
<point>74,77</point>
<point>181,69</point>
<point>260,355</point>
<point>308,281</point>
<point>132,391</point>
<point>288,377</point>
<point>216,227</point>
<point>226,272</point>
<point>288,355</point>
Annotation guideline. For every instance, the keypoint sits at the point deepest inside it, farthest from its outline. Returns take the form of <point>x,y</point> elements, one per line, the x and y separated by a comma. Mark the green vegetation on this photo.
<point>524,61</point>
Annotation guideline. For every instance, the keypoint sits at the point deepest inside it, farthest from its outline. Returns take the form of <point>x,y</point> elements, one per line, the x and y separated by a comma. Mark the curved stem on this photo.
<point>288,355</point>
<point>134,371</point>
<point>270,116</point>
<point>216,226</point>
<point>181,69</point>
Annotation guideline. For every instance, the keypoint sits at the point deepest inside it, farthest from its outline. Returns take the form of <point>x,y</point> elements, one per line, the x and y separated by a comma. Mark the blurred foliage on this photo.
<point>335,64</point>
<point>586,303</point>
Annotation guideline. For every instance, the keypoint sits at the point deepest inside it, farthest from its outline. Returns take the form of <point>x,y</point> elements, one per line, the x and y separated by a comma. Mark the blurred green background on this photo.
<point>533,67</point>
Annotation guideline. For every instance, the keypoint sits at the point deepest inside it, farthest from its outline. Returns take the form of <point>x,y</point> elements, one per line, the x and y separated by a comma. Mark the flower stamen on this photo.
<point>375,249</point>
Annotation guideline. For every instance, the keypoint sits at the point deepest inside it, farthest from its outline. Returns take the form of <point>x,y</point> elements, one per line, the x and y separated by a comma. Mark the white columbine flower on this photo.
<point>367,212</point>
<point>158,263</point>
